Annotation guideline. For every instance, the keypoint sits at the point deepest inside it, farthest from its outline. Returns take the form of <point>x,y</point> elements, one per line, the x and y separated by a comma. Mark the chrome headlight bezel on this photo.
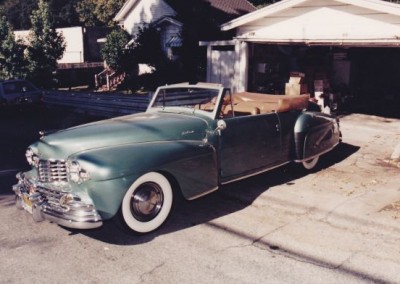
<point>76,173</point>
<point>31,157</point>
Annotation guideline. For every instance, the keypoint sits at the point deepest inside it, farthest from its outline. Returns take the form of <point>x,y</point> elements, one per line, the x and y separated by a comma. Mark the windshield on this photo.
<point>193,98</point>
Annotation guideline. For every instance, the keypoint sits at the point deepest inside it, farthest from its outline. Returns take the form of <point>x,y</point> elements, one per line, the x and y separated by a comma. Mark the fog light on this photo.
<point>67,199</point>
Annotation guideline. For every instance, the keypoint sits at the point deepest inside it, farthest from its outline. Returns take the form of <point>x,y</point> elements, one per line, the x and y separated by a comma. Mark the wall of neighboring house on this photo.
<point>227,64</point>
<point>147,11</point>
<point>73,37</point>
<point>170,36</point>
<point>169,30</point>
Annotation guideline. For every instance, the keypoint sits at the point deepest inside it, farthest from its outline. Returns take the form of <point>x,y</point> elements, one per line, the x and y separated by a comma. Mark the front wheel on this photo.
<point>311,163</point>
<point>147,203</point>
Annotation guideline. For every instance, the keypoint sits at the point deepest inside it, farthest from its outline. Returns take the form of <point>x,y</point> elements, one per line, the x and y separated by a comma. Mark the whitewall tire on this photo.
<point>310,164</point>
<point>147,203</point>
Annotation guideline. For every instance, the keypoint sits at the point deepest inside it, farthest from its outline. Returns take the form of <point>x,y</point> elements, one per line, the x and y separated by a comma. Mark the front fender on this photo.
<point>192,164</point>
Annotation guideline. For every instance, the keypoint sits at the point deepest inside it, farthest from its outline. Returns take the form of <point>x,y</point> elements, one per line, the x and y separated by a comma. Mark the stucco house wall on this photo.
<point>73,37</point>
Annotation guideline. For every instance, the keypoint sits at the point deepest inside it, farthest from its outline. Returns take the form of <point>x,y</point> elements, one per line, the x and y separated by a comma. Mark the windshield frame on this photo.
<point>182,109</point>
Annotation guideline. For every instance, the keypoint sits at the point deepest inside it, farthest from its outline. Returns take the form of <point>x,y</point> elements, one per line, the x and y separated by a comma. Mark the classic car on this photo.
<point>192,139</point>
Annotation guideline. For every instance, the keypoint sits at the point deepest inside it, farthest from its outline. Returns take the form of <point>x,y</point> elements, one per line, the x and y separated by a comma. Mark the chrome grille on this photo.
<point>52,171</point>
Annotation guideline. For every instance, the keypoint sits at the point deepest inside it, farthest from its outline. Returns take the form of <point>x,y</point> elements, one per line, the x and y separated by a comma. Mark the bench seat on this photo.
<point>247,103</point>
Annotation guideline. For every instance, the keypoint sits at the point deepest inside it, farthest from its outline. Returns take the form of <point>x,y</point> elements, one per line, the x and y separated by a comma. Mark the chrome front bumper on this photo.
<point>55,205</point>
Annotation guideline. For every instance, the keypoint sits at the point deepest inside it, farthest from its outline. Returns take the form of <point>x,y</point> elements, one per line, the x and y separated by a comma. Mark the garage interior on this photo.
<point>361,79</point>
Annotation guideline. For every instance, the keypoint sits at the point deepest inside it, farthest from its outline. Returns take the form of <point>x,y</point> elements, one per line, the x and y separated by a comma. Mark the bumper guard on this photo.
<point>55,206</point>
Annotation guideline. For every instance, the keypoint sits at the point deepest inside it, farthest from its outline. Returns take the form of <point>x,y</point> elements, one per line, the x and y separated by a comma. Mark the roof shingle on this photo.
<point>221,10</point>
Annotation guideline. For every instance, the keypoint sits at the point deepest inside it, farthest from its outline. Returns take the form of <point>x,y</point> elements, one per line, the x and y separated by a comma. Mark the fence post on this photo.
<point>108,82</point>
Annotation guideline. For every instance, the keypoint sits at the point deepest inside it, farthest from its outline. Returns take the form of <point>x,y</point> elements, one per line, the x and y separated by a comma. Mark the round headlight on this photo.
<point>31,157</point>
<point>74,169</point>
<point>76,173</point>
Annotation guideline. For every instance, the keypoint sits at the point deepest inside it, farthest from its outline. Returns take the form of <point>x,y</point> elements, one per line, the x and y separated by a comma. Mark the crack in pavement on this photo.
<point>150,272</point>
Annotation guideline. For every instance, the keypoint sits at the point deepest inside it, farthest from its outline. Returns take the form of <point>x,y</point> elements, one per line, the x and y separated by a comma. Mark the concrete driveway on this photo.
<point>338,224</point>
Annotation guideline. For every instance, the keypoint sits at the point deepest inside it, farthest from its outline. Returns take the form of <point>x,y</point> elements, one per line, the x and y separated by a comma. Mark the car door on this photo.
<point>29,93</point>
<point>249,144</point>
<point>11,92</point>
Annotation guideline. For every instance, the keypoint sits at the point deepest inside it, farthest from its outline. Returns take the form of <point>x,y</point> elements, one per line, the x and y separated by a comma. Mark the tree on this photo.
<point>123,53</point>
<point>87,16</point>
<point>63,13</point>
<point>98,12</point>
<point>107,9</point>
<point>45,47</point>
<point>200,22</point>
<point>18,12</point>
<point>147,49</point>
<point>12,61</point>
<point>116,51</point>
<point>146,46</point>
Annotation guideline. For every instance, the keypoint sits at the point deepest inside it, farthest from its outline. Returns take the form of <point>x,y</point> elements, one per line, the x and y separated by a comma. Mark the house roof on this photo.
<point>167,19</point>
<point>126,8</point>
<point>383,7</point>
<point>227,9</point>
<point>234,8</point>
<point>352,22</point>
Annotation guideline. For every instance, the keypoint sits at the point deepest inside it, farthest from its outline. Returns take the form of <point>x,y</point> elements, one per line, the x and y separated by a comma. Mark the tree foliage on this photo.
<point>107,9</point>
<point>146,46</point>
<point>12,62</point>
<point>123,54</point>
<point>200,22</point>
<point>18,12</point>
<point>36,58</point>
<point>147,49</point>
<point>115,52</point>
<point>45,47</point>
<point>66,13</point>
<point>63,13</point>
<point>98,12</point>
<point>85,9</point>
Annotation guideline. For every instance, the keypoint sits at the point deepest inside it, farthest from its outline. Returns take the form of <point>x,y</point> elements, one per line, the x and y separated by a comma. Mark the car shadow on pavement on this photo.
<point>228,199</point>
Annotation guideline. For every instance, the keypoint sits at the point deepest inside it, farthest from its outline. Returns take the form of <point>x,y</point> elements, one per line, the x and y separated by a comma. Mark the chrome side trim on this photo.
<point>255,173</point>
<point>203,193</point>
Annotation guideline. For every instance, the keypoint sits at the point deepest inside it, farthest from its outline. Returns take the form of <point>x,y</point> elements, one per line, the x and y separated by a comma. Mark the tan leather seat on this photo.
<point>255,103</point>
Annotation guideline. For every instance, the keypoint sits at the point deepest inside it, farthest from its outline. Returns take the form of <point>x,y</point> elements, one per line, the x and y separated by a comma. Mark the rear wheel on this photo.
<point>311,163</point>
<point>147,203</point>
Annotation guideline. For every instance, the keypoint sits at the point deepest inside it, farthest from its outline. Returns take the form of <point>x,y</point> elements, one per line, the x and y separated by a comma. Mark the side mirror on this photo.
<point>221,125</point>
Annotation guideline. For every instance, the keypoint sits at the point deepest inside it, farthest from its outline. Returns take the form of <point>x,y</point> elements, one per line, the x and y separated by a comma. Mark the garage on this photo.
<point>349,50</point>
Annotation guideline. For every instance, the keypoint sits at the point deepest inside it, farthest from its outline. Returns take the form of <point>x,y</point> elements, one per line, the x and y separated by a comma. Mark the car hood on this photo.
<point>138,128</point>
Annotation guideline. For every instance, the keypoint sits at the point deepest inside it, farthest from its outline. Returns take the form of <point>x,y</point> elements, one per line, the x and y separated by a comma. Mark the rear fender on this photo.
<point>315,134</point>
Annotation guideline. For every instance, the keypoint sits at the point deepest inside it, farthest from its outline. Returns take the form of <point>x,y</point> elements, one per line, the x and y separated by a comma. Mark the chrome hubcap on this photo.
<point>147,201</point>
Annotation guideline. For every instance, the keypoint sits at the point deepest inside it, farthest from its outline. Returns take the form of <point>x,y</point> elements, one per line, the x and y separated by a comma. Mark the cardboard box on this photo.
<point>293,89</point>
<point>296,77</point>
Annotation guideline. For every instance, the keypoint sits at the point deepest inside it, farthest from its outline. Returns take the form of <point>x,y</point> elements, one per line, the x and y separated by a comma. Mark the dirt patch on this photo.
<point>393,208</point>
<point>388,163</point>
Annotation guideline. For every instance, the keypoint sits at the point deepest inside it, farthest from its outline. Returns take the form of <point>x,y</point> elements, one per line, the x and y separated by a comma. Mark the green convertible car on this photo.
<point>192,139</point>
